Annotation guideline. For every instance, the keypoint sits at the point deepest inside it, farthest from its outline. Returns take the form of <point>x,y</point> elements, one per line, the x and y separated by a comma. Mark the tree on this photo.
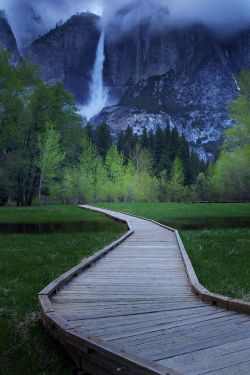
<point>175,187</point>
<point>174,144</point>
<point>129,143</point>
<point>103,139</point>
<point>239,135</point>
<point>142,160</point>
<point>158,148</point>
<point>231,179</point>
<point>120,141</point>
<point>80,182</point>
<point>144,139</point>
<point>26,106</point>
<point>89,161</point>
<point>114,163</point>
<point>50,158</point>
<point>203,187</point>
<point>18,162</point>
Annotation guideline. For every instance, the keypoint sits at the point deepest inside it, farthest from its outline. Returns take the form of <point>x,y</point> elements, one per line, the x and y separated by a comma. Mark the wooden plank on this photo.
<point>214,359</point>
<point>134,307</point>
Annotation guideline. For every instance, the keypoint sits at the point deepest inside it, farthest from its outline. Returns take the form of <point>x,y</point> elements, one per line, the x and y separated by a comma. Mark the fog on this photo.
<point>30,18</point>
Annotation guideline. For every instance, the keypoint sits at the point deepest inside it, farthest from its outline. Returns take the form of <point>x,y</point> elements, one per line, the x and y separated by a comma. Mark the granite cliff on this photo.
<point>66,54</point>
<point>7,38</point>
<point>182,76</point>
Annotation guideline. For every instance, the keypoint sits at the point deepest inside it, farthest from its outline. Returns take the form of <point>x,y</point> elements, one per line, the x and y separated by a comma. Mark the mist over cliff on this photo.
<point>31,18</point>
<point>165,63</point>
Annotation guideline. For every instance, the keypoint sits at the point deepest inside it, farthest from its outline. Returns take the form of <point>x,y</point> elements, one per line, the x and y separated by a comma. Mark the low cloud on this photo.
<point>29,18</point>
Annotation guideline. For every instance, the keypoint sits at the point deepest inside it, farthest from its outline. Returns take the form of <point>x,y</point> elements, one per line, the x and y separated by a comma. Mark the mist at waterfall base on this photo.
<point>98,93</point>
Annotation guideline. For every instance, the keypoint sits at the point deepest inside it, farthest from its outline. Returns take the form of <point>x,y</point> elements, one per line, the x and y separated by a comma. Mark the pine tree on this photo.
<point>165,162</point>
<point>158,148</point>
<point>184,155</point>
<point>129,143</point>
<point>89,132</point>
<point>120,141</point>
<point>103,139</point>
<point>174,144</point>
<point>144,140</point>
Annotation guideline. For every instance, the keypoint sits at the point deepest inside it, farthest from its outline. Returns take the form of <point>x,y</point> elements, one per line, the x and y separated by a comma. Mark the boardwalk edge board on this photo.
<point>79,343</point>
<point>197,288</point>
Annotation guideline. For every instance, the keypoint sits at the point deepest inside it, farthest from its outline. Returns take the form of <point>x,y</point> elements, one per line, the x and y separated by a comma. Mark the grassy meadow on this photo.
<point>216,237</point>
<point>28,262</point>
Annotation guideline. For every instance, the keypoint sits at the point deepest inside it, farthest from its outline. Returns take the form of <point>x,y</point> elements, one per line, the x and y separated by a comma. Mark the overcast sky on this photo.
<point>29,18</point>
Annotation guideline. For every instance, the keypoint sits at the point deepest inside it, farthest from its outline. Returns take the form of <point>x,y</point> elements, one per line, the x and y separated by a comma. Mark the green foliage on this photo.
<point>50,157</point>
<point>102,139</point>
<point>79,182</point>
<point>239,135</point>
<point>136,169</point>
<point>111,179</point>
<point>115,168</point>
<point>231,178</point>
<point>204,187</point>
<point>164,146</point>
<point>221,259</point>
<point>175,188</point>
<point>26,106</point>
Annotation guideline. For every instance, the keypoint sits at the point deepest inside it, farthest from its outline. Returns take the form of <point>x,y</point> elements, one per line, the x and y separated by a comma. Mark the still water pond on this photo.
<point>60,227</point>
<point>209,223</point>
<point>113,226</point>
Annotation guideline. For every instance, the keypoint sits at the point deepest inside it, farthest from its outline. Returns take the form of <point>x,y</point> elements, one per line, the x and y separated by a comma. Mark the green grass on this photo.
<point>39,214</point>
<point>27,264</point>
<point>220,256</point>
<point>169,211</point>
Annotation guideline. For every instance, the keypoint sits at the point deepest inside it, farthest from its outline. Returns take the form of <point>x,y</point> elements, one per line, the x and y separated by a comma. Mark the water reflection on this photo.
<point>59,227</point>
<point>103,226</point>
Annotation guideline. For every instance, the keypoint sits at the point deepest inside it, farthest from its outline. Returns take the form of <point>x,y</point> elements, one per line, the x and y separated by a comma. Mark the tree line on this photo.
<point>46,154</point>
<point>30,112</point>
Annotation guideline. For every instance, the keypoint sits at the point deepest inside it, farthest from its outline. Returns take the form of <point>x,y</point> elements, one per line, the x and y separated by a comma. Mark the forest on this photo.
<point>47,155</point>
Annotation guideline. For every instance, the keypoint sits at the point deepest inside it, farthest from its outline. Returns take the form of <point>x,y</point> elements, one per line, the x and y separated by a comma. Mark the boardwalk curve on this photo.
<point>136,307</point>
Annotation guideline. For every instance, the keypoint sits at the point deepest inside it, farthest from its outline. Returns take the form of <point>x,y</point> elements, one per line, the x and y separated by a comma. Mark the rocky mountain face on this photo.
<point>238,51</point>
<point>66,54</point>
<point>7,39</point>
<point>184,77</point>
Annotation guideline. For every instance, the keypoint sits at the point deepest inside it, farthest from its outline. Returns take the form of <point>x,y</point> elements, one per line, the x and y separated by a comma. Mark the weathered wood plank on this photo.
<point>134,310</point>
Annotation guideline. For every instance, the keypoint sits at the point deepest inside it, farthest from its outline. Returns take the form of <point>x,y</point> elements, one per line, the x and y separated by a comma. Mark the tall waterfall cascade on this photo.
<point>98,93</point>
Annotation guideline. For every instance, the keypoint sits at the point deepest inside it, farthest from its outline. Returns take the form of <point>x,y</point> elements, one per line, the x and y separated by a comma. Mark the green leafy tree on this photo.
<point>203,187</point>
<point>231,179</point>
<point>26,105</point>
<point>175,186</point>
<point>50,158</point>
<point>114,163</point>
<point>141,159</point>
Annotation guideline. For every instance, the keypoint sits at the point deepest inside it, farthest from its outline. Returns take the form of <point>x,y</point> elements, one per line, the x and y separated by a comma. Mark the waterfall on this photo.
<point>98,94</point>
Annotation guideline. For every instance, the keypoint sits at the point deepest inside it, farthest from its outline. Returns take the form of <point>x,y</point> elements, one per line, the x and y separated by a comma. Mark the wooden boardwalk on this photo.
<point>133,312</point>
